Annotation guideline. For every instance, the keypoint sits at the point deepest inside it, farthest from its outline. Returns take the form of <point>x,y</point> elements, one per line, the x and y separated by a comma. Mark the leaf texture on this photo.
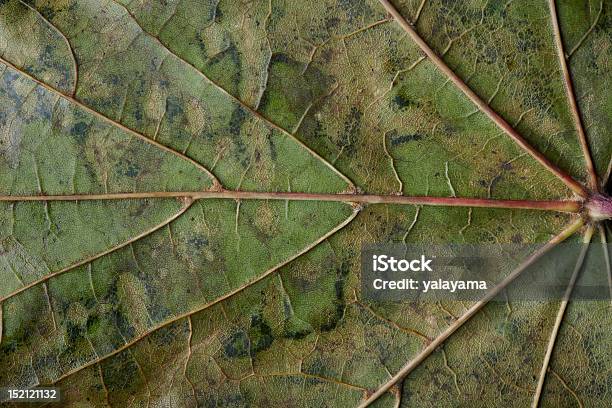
<point>134,287</point>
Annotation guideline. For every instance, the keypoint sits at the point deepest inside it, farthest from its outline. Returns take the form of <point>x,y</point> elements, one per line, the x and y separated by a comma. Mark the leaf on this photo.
<point>186,186</point>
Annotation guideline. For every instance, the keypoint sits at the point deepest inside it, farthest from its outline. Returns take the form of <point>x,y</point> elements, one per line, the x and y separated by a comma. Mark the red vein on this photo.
<point>571,206</point>
<point>569,89</point>
<point>214,302</point>
<point>560,314</point>
<point>561,206</point>
<point>215,182</point>
<point>242,103</point>
<point>45,278</point>
<point>421,356</point>
<point>499,121</point>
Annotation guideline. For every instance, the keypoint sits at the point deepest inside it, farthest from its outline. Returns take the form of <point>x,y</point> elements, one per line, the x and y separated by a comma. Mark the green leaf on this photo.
<point>185,188</point>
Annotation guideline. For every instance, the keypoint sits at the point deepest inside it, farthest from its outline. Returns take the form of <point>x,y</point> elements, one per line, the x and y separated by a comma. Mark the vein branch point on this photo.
<point>599,207</point>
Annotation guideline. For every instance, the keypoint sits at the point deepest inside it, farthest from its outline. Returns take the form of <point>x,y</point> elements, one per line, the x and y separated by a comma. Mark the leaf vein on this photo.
<point>251,110</point>
<point>483,106</point>
<point>241,288</point>
<point>472,311</point>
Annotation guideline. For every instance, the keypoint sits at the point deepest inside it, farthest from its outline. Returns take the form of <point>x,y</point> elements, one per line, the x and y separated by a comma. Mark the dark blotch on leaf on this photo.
<point>73,331</point>
<point>79,131</point>
<point>93,322</point>
<point>228,65</point>
<point>400,139</point>
<point>237,345</point>
<point>401,101</point>
<point>198,242</point>
<point>46,12</point>
<point>123,324</point>
<point>167,335</point>
<point>291,88</point>
<point>125,373</point>
<point>296,334</point>
<point>130,169</point>
<point>239,115</point>
<point>43,362</point>
<point>517,239</point>
<point>352,126</point>
<point>8,347</point>
<point>340,305</point>
<point>173,108</point>
<point>331,22</point>
<point>213,400</point>
<point>271,145</point>
<point>355,9</point>
<point>260,334</point>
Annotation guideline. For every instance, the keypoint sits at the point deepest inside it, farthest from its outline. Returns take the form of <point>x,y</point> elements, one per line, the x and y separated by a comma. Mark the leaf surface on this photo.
<point>137,288</point>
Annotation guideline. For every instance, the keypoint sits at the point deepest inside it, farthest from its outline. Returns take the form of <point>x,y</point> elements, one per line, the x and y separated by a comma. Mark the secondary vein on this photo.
<point>482,105</point>
<point>251,110</point>
<point>216,184</point>
<point>239,289</point>
<point>560,315</point>
<point>471,312</point>
<point>569,89</point>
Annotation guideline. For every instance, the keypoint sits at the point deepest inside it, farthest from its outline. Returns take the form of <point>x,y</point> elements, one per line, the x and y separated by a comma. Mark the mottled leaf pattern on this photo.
<point>185,187</point>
